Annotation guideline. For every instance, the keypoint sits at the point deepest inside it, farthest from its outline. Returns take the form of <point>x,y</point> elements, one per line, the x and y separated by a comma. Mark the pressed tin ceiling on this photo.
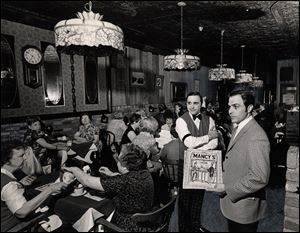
<point>267,28</point>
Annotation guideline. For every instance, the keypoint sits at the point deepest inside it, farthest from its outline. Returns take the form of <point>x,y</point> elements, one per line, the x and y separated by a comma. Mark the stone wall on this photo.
<point>291,208</point>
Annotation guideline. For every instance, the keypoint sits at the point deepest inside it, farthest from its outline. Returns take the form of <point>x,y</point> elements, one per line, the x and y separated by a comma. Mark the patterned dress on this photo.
<point>30,139</point>
<point>88,132</point>
<point>131,193</point>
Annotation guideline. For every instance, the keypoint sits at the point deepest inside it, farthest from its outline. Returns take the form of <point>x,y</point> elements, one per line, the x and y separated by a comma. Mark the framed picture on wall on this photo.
<point>137,79</point>
<point>178,91</point>
<point>159,81</point>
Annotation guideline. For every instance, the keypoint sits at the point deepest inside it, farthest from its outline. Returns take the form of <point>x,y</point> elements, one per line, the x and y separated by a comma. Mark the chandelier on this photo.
<point>256,81</point>
<point>221,73</point>
<point>88,35</point>
<point>242,76</point>
<point>181,61</point>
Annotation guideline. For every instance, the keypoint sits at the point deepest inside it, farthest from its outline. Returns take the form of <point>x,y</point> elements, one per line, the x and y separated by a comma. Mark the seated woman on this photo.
<point>14,205</point>
<point>178,111</point>
<point>146,141</point>
<point>132,125</point>
<point>38,141</point>
<point>131,190</point>
<point>87,132</point>
<point>86,140</point>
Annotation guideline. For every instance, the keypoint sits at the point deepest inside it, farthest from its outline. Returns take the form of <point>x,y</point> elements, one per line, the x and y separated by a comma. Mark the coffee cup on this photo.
<point>78,190</point>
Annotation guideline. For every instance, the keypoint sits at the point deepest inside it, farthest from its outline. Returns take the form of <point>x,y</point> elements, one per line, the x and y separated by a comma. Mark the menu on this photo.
<point>202,169</point>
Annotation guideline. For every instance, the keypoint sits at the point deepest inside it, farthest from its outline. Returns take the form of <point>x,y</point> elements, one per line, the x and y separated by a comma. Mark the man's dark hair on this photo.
<point>195,93</point>
<point>247,96</point>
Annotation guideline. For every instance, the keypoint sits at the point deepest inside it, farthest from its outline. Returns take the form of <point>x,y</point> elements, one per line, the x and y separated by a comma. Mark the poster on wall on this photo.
<point>202,169</point>
<point>159,81</point>
<point>289,99</point>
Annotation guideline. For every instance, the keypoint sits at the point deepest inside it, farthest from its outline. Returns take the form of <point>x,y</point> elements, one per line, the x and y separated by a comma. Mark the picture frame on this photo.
<point>178,91</point>
<point>159,81</point>
<point>138,79</point>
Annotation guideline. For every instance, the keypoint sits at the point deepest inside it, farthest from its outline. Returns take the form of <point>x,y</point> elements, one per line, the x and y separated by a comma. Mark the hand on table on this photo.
<point>57,187</point>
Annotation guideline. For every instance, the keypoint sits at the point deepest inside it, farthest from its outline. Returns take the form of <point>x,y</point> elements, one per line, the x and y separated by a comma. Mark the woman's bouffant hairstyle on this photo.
<point>84,114</point>
<point>135,117</point>
<point>6,150</point>
<point>31,120</point>
<point>133,157</point>
<point>149,124</point>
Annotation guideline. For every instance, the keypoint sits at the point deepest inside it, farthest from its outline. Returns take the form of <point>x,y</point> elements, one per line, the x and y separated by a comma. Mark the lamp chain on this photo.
<point>254,73</point>
<point>88,6</point>
<point>181,27</point>
<point>242,65</point>
<point>73,82</point>
<point>222,32</point>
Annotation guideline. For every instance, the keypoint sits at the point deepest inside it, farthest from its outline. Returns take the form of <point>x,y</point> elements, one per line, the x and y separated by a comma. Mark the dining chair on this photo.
<point>154,221</point>
<point>170,168</point>
<point>30,225</point>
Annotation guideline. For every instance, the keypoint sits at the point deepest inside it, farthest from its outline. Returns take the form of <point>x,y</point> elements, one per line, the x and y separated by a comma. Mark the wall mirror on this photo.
<point>9,82</point>
<point>52,76</point>
<point>91,80</point>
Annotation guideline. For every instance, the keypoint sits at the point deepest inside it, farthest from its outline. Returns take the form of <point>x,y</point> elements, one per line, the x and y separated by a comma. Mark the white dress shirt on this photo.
<point>12,193</point>
<point>203,142</point>
<point>242,125</point>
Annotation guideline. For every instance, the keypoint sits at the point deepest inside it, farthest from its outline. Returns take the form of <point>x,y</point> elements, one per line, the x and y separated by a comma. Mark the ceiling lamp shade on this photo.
<point>256,82</point>
<point>221,73</point>
<point>243,76</point>
<point>181,61</point>
<point>88,35</point>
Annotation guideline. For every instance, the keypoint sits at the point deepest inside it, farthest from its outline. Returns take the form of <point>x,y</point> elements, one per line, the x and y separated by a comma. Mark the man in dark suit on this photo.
<point>246,167</point>
<point>195,130</point>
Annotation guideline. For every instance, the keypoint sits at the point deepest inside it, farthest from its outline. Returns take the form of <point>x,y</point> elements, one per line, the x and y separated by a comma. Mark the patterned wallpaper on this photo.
<point>32,100</point>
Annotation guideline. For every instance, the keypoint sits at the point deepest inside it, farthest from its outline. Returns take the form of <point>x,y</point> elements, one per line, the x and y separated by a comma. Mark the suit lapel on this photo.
<point>240,134</point>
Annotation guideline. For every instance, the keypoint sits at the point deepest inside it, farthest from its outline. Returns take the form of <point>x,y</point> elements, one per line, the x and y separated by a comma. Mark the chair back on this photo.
<point>106,137</point>
<point>155,221</point>
<point>170,168</point>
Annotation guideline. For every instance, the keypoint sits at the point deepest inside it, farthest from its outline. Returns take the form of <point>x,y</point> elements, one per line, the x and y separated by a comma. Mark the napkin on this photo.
<point>53,223</point>
<point>86,222</point>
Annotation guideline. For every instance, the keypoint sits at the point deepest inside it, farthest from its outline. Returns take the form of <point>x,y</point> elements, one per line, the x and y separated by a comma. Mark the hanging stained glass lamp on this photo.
<point>243,76</point>
<point>221,73</point>
<point>256,81</point>
<point>181,61</point>
<point>88,35</point>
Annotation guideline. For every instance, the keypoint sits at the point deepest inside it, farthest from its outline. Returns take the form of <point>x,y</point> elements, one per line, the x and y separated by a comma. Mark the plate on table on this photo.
<point>78,194</point>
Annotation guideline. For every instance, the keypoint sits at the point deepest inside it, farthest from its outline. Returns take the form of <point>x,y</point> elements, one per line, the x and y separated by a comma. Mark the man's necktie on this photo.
<point>197,116</point>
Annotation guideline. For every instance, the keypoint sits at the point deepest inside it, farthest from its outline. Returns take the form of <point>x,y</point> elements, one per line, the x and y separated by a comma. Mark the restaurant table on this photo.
<point>78,211</point>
